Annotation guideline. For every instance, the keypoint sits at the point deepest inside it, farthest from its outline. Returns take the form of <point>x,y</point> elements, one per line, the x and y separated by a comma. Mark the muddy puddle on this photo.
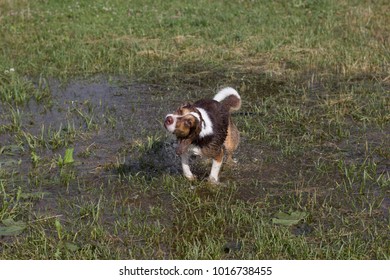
<point>99,118</point>
<point>115,127</point>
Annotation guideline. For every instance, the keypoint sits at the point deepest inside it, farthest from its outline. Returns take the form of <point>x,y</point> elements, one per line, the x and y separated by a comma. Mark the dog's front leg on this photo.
<point>186,166</point>
<point>215,168</point>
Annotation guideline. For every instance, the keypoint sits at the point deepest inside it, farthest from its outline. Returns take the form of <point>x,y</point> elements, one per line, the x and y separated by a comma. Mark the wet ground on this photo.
<point>115,126</point>
<point>116,129</point>
<point>97,117</point>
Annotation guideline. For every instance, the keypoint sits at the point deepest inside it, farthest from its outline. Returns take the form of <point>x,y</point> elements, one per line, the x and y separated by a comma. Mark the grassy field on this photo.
<point>88,172</point>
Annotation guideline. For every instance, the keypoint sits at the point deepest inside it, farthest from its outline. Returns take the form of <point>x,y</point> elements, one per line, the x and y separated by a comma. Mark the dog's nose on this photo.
<point>168,120</point>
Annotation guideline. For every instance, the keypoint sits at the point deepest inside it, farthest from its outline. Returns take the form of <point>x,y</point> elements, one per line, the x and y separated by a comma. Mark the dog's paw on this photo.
<point>231,161</point>
<point>190,177</point>
<point>213,180</point>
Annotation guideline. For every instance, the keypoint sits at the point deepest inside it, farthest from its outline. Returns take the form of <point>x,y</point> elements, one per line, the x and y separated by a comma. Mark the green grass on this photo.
<point>65,38</point>
<point>88,172</point>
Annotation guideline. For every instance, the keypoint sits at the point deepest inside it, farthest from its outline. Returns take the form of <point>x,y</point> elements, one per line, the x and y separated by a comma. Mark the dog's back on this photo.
<point>220,131</point>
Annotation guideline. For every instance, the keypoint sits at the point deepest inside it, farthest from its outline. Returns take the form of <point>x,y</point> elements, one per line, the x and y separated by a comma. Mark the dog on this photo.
<point>206,128</point>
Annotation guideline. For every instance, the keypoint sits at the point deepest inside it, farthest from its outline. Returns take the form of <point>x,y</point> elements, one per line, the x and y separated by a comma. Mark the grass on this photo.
<point>88,172</point>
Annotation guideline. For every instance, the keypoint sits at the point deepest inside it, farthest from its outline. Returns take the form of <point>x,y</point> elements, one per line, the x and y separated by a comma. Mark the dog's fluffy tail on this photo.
<point>230,98</point>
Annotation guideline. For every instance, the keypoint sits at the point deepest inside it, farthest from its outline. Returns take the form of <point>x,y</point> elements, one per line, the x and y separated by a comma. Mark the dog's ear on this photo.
<point>184,108</point>
<point>187,105</point>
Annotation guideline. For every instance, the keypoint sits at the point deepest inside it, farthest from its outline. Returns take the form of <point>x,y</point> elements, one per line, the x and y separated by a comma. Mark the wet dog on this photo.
<point>206,128</point>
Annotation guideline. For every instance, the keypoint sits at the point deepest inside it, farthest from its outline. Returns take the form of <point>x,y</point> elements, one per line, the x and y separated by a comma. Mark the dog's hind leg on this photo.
<point>231,142</point>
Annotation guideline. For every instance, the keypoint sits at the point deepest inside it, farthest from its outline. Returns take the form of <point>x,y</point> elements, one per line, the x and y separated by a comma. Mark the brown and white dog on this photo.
<point>205,128</point>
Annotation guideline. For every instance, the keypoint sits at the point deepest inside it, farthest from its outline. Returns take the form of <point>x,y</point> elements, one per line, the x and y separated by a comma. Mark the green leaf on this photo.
<point>289,219</point>
<point>12,227</point>
<point>34,157</point>
<point>68,158</point>
<point>58,226</point>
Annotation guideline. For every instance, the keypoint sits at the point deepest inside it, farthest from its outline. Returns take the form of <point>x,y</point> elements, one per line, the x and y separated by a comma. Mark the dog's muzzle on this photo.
<point>170,123</point>
<point>168,120</point>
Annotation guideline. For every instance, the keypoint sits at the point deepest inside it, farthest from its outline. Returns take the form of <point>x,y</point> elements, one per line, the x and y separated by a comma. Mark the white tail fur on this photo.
<point>225,92</point>
<point>230,98</point>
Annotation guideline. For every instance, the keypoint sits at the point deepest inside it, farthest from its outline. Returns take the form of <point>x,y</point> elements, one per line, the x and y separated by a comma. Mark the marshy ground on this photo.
<point>88,172</point>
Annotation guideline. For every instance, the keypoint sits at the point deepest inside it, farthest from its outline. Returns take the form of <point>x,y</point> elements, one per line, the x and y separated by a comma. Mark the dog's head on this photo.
<point>185,123</point>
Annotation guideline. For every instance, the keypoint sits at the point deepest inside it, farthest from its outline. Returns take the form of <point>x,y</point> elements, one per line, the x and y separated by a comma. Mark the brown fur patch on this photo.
<point>185,125</point>
<point>232,102</point>
<point>219,156</point>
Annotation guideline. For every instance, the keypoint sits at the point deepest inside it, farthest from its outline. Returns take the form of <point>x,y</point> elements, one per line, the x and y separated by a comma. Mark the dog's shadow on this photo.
<point>159,159</point>
<point>151,161</point>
